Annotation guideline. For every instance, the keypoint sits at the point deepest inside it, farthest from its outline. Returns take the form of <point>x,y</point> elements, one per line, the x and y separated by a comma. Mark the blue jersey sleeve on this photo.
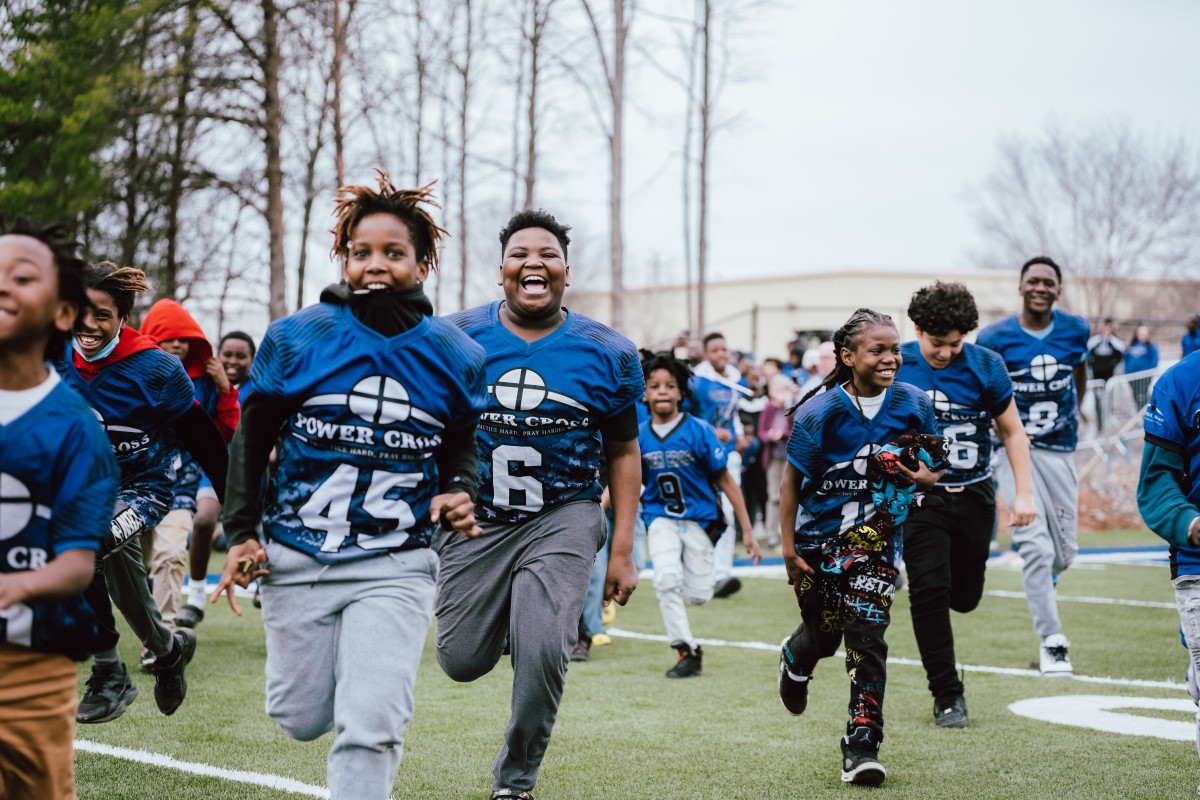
<point>177,393</point>
<point>999,384</point>
<point>803,451</point>
<point>87,489</point>
<point>712,452</point>
<point>1164,422</point>
<point>270,366</point>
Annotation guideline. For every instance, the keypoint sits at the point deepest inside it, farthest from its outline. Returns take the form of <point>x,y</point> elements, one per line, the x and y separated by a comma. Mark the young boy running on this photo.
<point>177,332</point>
<point>1045,352</point>
<point>375,401</point>
<point>683,464</point>
<point>58,482</point>
<point>1169,490</point>
<point>560,388</point>
<point>946,543</point>
<point>147,405</point>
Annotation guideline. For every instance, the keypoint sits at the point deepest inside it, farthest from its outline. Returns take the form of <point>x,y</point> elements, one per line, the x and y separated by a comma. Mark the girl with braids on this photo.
<point>54,458</point>
<point>375,403</point>
<point>838,546</point>
<point>147,404</point>
<point>683,464</point>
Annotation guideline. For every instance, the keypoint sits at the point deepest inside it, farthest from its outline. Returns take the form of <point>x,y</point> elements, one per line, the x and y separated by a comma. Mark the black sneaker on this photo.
<point>689,663</point>
<point>793,683</point>
<point>109,693</point>
<point>170,686</point>
<point>728,586</point>
<point>581,650</point>
<point>146,660</point>
<point>860,758</point>
<point>189,616</point>
<point>950,712</point>
<point>513,794</point>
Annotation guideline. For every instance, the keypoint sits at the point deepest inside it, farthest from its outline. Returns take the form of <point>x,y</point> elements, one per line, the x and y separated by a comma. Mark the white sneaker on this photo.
<point>1055,660</point>
<point>1189,678</point>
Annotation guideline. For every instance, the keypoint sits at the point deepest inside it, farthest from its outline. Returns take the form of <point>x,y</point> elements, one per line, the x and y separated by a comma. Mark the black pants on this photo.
<point>946,552</point>
<point>122,576</point>
<point>850,597</point>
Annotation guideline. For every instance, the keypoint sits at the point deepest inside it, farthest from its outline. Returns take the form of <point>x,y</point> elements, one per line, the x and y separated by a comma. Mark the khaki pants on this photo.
<point>168,564</point>
<point>37,704</point>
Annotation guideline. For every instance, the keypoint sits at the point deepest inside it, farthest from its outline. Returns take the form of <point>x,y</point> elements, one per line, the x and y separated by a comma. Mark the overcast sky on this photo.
<point>864,125</point>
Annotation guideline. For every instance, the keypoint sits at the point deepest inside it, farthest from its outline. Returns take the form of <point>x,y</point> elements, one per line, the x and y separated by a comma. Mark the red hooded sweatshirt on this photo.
<point>169,320</point>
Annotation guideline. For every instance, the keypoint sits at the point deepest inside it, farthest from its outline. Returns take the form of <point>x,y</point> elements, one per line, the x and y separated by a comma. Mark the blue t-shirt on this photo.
<point>539,438</point>
<point>1140,356</point>
<point>355,472</point>
<point>1042,372</point>
<point>830,445</point>
<point>716,403</point>
<point>678,471</point>
<point>136,400</point>
<point>58,485</point>
<point>1173,422</point>
<point>1190,343</point>
<point>970,392</point>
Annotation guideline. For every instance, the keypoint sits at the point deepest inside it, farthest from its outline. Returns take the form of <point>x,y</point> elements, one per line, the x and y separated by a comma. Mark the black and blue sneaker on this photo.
<point>860,758</point>
<point>793,683</point>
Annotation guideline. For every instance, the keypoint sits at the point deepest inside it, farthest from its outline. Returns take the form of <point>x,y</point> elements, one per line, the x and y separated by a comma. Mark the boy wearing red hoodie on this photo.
<point>176,332</point>
<point>147,405</point>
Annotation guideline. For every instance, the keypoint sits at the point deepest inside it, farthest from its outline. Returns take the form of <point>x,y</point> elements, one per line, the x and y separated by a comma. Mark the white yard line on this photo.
<point>1104,601</point>
<point>236,775</point>
<point>912,662</point>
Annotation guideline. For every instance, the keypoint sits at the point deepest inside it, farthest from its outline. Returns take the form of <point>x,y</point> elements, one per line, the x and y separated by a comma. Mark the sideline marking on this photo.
<point>1105,601</point>
<point>913,662</point>
<point>1097,712</point>
<point>236,775</point>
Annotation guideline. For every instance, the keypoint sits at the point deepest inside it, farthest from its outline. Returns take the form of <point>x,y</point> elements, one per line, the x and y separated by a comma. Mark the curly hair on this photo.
<point>1044,260</point>
<point>69,264</point>
<point>846,338</point>
<point>352,203</point>
<point>535,218</point>
<point>679,370</point>
<point>943,307</point>
<point>122,284</point>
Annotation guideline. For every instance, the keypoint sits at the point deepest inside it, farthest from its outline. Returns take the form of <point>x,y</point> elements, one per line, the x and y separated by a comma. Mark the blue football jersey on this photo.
<point>1173,422</point>
<point>58,486</point>
<point>968,394</point>
<point>678,471</point>
<point>539,438</point>
<point>1042,372</point>
<point>716,403</point>
<point>830,445</point>
<point>136,399</point>
<point>356,472</point>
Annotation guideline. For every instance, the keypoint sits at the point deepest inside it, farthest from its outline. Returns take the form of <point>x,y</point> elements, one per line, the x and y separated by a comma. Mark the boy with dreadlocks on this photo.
<point>58,481</point>
<point>376,402</point>
<point>946,545</point>
<point>852,486</point>
<point>147,404</point>
<point>683,464</point>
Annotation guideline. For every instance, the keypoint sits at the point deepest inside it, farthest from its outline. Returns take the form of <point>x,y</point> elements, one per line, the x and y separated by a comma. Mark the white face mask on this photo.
<point>105,351</point>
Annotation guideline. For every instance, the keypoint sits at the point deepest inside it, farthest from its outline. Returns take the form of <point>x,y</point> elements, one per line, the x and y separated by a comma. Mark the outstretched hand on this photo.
<point>244,563</point>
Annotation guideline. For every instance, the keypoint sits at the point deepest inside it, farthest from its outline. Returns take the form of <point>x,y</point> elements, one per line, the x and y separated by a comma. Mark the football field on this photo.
<point>1121,727</point>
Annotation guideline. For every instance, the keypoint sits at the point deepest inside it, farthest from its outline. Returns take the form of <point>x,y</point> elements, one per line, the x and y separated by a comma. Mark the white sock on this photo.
<point>197,592</point>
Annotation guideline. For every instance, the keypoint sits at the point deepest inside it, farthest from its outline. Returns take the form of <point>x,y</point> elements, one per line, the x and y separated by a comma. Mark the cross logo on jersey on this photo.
<point>1043,367</point>
<point>380,400</point>
<point>123,438</point>
<point>522,389</point>
<point>859,461</point>
<point>16,506</point>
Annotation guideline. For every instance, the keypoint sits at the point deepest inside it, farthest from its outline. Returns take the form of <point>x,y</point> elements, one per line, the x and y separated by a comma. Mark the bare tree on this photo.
<point>339,55</point>
<point>460,60</point>
<point>533,27</point>
<point>613,65</point>
<point>1105,202</point>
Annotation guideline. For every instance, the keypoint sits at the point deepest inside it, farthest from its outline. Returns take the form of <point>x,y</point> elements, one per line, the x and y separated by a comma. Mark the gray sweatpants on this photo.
<point>525,582</point>
<point>1187,600</point>
<point>1047,545</point>
<point>343,645</point>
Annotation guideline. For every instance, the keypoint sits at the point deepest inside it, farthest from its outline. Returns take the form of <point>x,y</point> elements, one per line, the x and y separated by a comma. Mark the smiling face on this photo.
<point>939,351</point>
<point>380,256</point>
<point>235,360</point>
<point>29,301</point>
<point>663,395</point>
<point>874,359</point>
<point>716,353</point>
<point>1039,289</point>
<point>98,324</point>
<point>534,274</point>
